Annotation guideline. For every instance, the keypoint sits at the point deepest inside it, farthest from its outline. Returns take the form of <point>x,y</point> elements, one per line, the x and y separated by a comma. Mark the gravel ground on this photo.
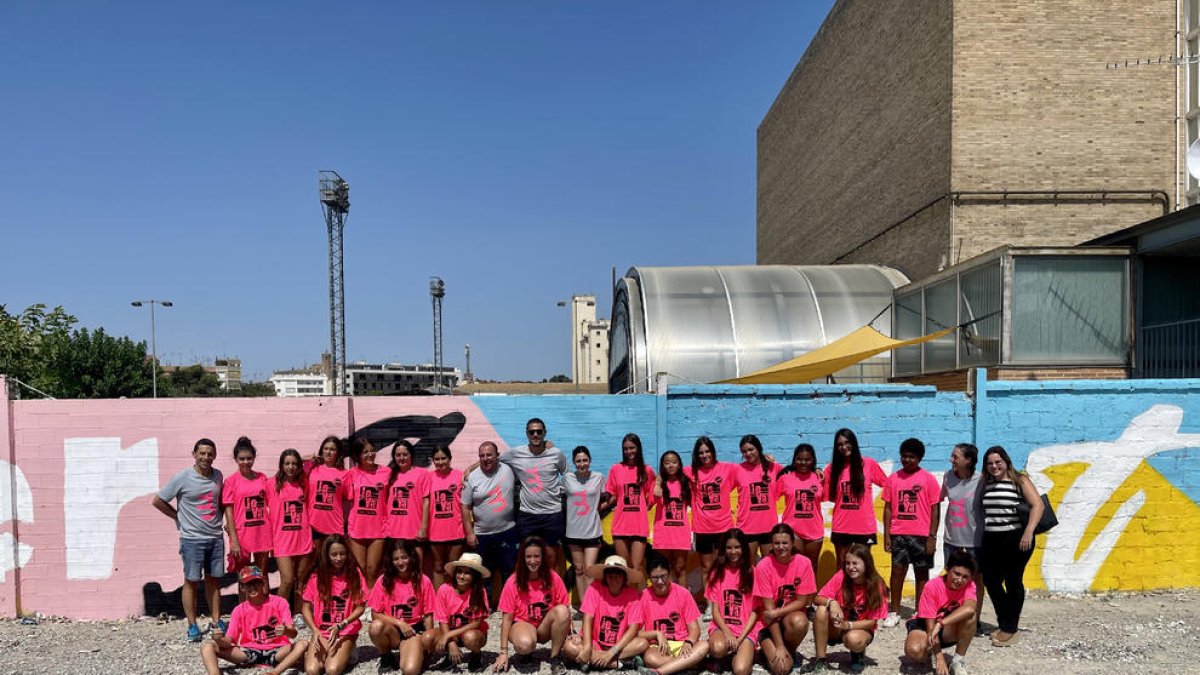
<point>1064,635</point>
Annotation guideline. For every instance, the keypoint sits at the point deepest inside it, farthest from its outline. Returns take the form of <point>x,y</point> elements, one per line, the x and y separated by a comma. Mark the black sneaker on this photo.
<point>856,662</point>
<point>389,662</point>
<point>557,667</point>
<point>474,661</point>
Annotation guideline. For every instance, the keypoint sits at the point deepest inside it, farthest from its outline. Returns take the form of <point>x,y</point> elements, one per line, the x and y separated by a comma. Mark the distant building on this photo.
<point>229,372</point>
<point>290,383</point>
<point>386,379</point>
<point>589,342</point>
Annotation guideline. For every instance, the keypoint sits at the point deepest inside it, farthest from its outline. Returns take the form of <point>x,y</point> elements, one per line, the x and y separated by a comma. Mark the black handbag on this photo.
<point>1048,520</point>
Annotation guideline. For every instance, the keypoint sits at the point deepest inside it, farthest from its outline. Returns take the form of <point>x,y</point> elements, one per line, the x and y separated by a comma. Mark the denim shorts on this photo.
<point>202,557</point>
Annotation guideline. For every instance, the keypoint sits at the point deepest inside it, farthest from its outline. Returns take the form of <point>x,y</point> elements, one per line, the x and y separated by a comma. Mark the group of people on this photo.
<point>417,548</point>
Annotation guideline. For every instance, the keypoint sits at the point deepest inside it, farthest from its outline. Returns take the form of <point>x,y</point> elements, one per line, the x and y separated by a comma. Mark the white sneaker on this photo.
<point>298,622</point>
<point>366,616</point>
<point>958,665</point>
<point>891,620</point>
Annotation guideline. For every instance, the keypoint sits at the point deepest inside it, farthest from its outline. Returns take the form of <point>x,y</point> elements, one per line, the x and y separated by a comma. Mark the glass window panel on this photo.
<point>940,307</point>
<point>1069,310</point>
<point>907,360</point>
<point>980,296</point>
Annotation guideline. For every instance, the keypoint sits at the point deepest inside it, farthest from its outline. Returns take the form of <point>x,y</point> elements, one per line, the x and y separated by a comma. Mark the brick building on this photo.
<point>899,131</point>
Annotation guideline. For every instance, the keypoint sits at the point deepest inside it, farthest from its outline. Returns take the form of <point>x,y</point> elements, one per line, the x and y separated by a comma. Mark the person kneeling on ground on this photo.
<point>849,608</point>
<point>402,611</point>
<point>671,623</point>
<point>260,631</point>
<point>461,610</point>
<point>784,583</point>
<point>945,617</point>
<point>612,618</point>
<point>536,609</point>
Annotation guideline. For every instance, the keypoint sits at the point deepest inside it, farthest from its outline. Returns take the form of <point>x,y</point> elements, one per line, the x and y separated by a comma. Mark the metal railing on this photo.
<point>1169,350</point>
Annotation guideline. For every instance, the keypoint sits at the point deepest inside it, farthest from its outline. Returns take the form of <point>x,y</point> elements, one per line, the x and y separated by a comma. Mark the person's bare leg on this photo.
<point>820,631</point>
<point>212,587</point>
<point>899,572</point>
<point>375,560</point>
<point>582,580</point>
<point>189,600</point>
<point>621,545</point>
<point>795,629</point>
<point>338,661</point>
<point>743,660</point>
<point>289,656</point>
<point>637,553</point>
<point>524,637</point>
<point>921,576</point>
<point>358,549</point>
<point>441,556</point>
<point>559,620</point>
<point>412,656</point>
<point>667,665</point>
<point>287,579</point>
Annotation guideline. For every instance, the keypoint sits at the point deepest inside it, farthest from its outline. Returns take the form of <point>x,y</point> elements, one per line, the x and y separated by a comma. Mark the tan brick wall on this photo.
<point>858,138</point>
<point>957,380</point>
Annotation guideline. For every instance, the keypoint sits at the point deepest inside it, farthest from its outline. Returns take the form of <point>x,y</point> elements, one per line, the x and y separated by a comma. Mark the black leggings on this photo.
<point>1003,565</point>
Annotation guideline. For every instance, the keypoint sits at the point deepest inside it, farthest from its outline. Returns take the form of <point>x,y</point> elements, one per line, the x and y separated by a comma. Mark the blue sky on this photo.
<point>519,150</point>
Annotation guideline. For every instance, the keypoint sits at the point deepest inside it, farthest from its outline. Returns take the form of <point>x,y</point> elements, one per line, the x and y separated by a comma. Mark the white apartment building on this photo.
<point>301,383</point>
<point>589,342</point>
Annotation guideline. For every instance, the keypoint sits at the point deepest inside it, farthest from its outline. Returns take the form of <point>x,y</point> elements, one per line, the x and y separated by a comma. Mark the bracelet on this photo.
<point>689,643</point>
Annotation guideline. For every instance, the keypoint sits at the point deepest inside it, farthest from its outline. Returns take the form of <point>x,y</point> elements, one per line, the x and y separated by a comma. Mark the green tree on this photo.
<point>190,382</point>
<point>98,365</point>
<point>29,342</point>
<point>252,389</point>
<point>558,378</point>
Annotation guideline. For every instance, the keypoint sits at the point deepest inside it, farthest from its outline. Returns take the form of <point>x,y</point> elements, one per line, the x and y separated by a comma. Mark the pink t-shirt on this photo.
<point>445,506</point>
<point>366,492</point>
<point>783,583</point>
<point>857,610</point>
<point>254,627</point>
<point>629,518</point>
<point>612,615</point>
<point>453,609</point>
<point>532,605</point>
<point>802,497</point>
<point>290,533</point>
<point>672,531</point>
<point>938,600</point>
<point>756,509</point>
<point>855,515</point>
<point>248,497</point>
<point>734,604</point>
<point>671,614</point>
<point>340,604</point>
<point>325,496</point>
<point>405,496</point>
<point>912,496</point>
<point>402,603</point>
<point>711,510</point>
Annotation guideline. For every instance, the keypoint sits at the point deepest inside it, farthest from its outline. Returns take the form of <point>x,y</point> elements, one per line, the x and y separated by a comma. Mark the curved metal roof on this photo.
<point>704,324</point>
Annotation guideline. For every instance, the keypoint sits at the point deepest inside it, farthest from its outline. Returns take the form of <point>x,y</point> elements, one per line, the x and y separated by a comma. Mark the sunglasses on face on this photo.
<point>535,432</point>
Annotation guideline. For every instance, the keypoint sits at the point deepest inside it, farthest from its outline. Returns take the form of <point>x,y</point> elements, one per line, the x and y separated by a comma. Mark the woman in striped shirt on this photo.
<point>1007,544</point>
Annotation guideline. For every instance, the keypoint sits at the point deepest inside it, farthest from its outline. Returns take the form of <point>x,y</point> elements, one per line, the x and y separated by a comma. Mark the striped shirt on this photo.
<point>1000,501</point>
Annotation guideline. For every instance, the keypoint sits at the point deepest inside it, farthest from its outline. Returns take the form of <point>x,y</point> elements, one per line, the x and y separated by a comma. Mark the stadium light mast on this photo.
<point>335,202</point>
<point>437,291</point>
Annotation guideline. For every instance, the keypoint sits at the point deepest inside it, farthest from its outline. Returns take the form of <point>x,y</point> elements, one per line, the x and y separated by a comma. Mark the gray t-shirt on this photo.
<point>199,503</point>
<point>540,476</point>
<point>962,516</point>
<point>583,505</point>
<point>490,499</point>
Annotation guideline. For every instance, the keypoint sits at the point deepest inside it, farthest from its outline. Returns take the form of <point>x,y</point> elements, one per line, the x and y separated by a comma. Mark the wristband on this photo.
<point>689,643</point>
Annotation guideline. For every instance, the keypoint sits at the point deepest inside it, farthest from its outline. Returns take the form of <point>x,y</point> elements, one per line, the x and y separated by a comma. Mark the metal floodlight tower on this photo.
<point>437,291</point>
<point>335,202</point>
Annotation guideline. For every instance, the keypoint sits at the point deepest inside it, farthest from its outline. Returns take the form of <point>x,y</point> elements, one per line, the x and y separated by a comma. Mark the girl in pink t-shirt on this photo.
<point>672,528</point>
<point>260,630</point>
<point>401,603</point>
<point>461,611</point>
<point>848,481</point>
<point>756,513</point>
<point>631,482</point>
<point>800,486</point>
<point>365,485</point>
<point>784,584</point>
<point>446,537</point>
<point>734,631</point>
<point>612,618</point>
<point>849,607</point>
<point>945,616</point>
<point>712,487</point>
<point>334,599</point>
<point>326,492</point>
<point>247,518</point>
<point>535,604</point>
<point>291,536</point>
<point>408,497</point>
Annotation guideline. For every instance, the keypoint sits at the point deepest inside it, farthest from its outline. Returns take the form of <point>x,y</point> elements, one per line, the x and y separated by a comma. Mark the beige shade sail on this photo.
<point>843,353</point>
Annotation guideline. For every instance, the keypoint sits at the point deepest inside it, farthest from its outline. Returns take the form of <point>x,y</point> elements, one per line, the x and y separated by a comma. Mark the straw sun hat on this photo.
<point>616,562</point>
<point>469,560</point>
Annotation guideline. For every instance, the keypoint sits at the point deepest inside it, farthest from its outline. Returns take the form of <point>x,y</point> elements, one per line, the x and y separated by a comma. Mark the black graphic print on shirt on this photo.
<point>293,516</point>
<point>631,497</point>
<point>538,609</point>
<point>804,503</point>
<point>368,500</point>
<point>406,611</point>
<point>334,610</point>
<point>443,502</point>
<point>787,592</point>
<point>906,503</point>
<point>325,495</point>
<point>845,497</point>
<point>254,508</point>
<point>671,626</point>
<point>710,495</point>
<point>401,493</point>
<point>760,496</point>
<point>673,512</point>
<point>610,629</point>
<point>733,607</point>
<point>265,633</point>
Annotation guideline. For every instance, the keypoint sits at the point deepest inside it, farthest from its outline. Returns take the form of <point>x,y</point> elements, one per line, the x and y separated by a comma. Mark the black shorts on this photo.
<point>834,641</point>
<point>708,543</point>
<point>763,539</point>
<point>259,657</point>
<point>919,624</point>
<point>909,549</point>
<point>843,539</point>
<point>628,537</point>
<point>593,542</point>
<point>549,526</point>
<point>451,542</point>
<point>949,549</point>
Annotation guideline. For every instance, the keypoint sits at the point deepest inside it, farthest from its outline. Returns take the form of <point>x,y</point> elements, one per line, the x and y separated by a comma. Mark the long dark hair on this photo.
<point>476,605</point>
<point>337,443</point>
<point>685,484</point>
<point>745,567</point>
<point>1013,474</point>
<point>350,573</point>
<point>696,464</point>
<point>358,445</point>
<point>390,576</point>
<point>969,453</point>
<point>857,482</point>
<point>800,449</point>
<point>523,570</point>
<point>873,585</point>
<point>392,465</point>
<point>280,478</point>
<point>243,443</point>
<point>639,460</point>
<point>766,465</point>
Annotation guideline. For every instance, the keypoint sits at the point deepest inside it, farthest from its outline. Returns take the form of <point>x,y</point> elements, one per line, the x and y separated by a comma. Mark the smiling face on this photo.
<point>804,462</point>
<point>291,467</point>
<point>329,453</point>
<point>245,462</point>
<point>402,456</point>
<point>671,465</point>
<point>401,562</point>
<point>533,559</point>
<point>614,580</point>
<point>441,462</point>
<point>536,433</point>
<point>749,453</point>
<point>660,581</point>
<point>708,456</point>
<point>957,577</point>
<point>959,462</point>
<point>204,456</point>
<point>488,456</point>
<point>733,551</point>
<point>254,590</point>
<point>462,578</point>
<point>909,461</point>
<point>781,547</point>
<point>843,446</point>
<point>854,566</point>
<point>583,463</point>
<point>995,465</point>
<point>367,459</point>
<point>337,555</point>
<point>629,453</point>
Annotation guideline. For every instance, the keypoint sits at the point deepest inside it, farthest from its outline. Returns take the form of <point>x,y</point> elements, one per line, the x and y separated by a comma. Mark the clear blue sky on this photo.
<point>519,150</point>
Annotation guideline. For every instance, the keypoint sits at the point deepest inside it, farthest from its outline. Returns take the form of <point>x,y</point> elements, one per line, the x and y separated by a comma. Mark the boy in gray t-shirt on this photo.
<point>196,492</point>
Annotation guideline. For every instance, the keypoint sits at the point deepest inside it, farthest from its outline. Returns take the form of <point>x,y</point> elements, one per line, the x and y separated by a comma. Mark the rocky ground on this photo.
<point>1063,635</point>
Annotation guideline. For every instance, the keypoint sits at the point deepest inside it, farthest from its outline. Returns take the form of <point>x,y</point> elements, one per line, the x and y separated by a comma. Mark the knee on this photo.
<point>209,647</point>
<point>855,641</point>
<point>410,669</point>
<point>474,640</point>
<point>376,629</point>
<point>743,668</point>
<point>523,644</point>
<point>559,614</point>
<point>915,650</point>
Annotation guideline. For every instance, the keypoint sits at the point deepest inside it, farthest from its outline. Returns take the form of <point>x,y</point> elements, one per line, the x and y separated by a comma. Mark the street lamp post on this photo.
<point>153,346</point>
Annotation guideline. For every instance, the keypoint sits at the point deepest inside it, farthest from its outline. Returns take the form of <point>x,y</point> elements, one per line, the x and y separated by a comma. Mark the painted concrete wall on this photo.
<point>1120,460</point>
